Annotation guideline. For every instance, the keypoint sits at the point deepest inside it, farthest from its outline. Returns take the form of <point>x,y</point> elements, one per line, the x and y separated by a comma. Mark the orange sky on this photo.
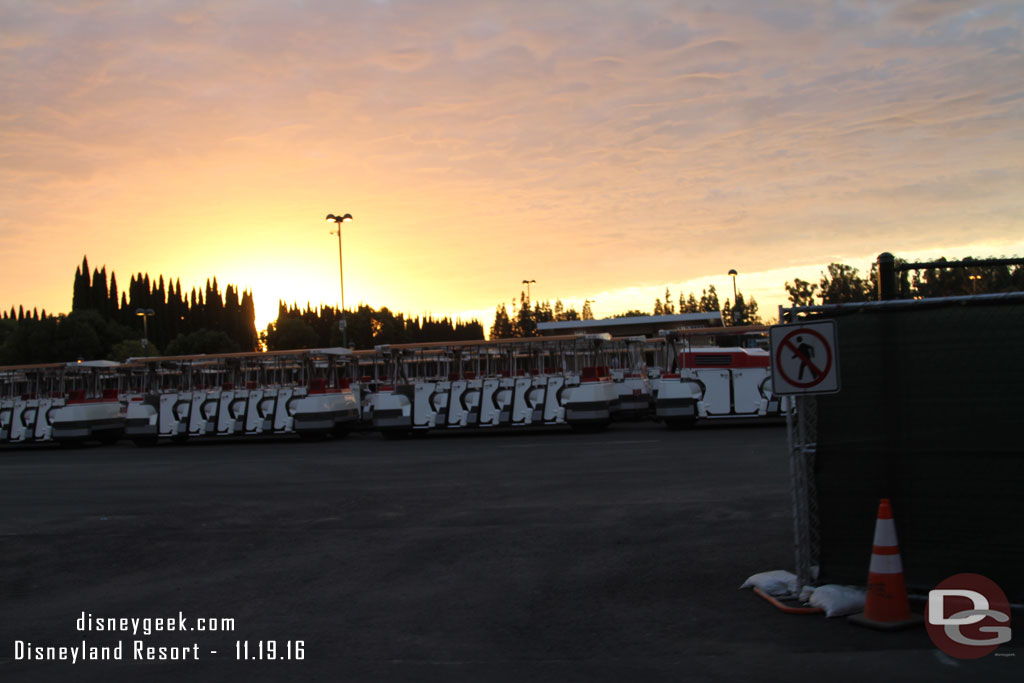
<point>604,149</point>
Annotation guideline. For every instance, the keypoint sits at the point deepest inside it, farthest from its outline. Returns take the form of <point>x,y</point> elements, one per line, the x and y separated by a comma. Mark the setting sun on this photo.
<point>605,154</point>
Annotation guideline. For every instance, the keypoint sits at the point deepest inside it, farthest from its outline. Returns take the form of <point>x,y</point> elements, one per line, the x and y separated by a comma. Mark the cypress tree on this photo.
<point>98,291</point>
<point>112,306</point>
<point>249,319</point>
<point>80,294</point>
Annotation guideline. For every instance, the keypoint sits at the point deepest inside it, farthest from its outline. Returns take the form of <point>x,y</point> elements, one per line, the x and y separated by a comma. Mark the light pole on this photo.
<point>338,220</point>
<point>974,283</point>
<point>732,273</point>
<point>528,283</point>
<point>145,314</point>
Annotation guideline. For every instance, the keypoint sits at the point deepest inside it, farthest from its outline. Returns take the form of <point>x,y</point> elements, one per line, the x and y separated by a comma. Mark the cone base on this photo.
<point>861,620</point>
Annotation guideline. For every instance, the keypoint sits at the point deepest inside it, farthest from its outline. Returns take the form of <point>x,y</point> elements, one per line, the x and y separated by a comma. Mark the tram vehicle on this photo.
<point>629,372</point>
<point>27,395</point>
<point>500,383</point>
<point>304,391</point>
<point>92,408</point>
<point>64,402</point>
<point>706,381</point>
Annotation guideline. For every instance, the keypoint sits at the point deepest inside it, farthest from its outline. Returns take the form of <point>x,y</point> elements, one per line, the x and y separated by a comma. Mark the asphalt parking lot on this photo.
<point>491,557</point>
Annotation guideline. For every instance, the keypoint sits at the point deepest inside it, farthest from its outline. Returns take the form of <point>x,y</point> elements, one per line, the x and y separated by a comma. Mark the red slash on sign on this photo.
<point>812,351</point>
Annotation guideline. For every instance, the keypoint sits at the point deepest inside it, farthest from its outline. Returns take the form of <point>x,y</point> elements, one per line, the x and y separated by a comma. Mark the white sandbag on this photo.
<point>838,601</point>
<point>776,583</point>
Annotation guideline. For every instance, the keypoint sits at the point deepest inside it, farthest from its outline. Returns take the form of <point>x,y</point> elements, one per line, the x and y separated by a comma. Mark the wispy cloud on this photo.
<point>599,146</point>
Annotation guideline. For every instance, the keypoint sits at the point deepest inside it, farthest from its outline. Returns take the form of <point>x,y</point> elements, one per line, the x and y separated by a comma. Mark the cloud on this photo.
<point>658,139</point>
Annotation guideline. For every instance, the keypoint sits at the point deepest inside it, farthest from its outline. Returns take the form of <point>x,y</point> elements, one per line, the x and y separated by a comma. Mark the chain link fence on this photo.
<point>802,430</point>
<point>928,415</point>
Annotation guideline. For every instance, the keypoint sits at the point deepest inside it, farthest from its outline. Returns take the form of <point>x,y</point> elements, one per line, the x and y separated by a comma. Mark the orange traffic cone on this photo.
<point>886,606</point>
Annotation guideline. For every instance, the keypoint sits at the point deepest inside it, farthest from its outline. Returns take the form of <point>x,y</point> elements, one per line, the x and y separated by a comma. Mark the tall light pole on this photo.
<point>528,283</point>
<point>145,314</point>
<point>732,273</point>
<point>338,220</point>
<point>974,282</point>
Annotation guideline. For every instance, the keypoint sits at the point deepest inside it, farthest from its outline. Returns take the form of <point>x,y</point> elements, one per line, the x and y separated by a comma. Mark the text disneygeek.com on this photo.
<point>138,649</point>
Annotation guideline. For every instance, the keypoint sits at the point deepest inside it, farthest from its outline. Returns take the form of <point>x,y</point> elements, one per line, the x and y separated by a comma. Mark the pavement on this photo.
<point>526,556</point>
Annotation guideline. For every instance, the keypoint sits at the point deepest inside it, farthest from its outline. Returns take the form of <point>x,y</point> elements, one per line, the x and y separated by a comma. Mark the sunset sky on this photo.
<point>605,149</point>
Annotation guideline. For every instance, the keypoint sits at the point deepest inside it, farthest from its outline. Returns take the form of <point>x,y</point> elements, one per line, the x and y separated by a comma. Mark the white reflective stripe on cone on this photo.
<point>885,532</point>
<point>886,564</point>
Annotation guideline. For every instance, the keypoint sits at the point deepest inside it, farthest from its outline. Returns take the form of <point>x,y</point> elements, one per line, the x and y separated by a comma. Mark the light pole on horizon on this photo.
<point>974,282</point>
<point>145,314</point>
<point>528,283</point>
<point>732,273</point>
<point>338,220</point>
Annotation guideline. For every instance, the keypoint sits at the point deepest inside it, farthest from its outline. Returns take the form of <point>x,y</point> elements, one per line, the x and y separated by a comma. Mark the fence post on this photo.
<point>886,276</point>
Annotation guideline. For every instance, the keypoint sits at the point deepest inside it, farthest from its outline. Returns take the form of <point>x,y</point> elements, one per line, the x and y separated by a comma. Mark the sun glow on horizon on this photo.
<point>605,154</point>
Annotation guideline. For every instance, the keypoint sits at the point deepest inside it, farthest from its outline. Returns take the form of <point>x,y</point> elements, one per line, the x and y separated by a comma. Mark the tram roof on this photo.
<point>739,330</point>
<point>257,355</point>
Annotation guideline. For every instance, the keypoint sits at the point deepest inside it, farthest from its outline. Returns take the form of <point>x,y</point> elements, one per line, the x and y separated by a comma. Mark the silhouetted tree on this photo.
<point>502,327</point>
<point>801,292</point>
<point>709,300</point>
<point>291,333</point>
<point>525,326</point>
<point>201,341</point>
<point>842,284</point>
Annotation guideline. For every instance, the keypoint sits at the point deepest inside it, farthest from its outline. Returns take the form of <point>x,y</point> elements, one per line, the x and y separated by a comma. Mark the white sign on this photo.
<point>804,358</point>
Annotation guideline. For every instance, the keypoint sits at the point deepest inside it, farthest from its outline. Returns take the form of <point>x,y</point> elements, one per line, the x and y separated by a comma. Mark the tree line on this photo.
<point>841,283</point>
<point>104,322</point>
<point>523,320</point>
<point>365,328</point>
<point>838,283</point>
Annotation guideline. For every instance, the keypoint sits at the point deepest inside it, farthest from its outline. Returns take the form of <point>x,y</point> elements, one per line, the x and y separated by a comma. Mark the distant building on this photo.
<point>647,325</point>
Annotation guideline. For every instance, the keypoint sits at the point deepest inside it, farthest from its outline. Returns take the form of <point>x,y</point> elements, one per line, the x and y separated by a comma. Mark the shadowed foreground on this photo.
<point>528,556</point>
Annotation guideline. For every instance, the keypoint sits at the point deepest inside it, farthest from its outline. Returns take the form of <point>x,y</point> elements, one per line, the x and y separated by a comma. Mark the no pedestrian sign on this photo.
<point>804,358</point>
